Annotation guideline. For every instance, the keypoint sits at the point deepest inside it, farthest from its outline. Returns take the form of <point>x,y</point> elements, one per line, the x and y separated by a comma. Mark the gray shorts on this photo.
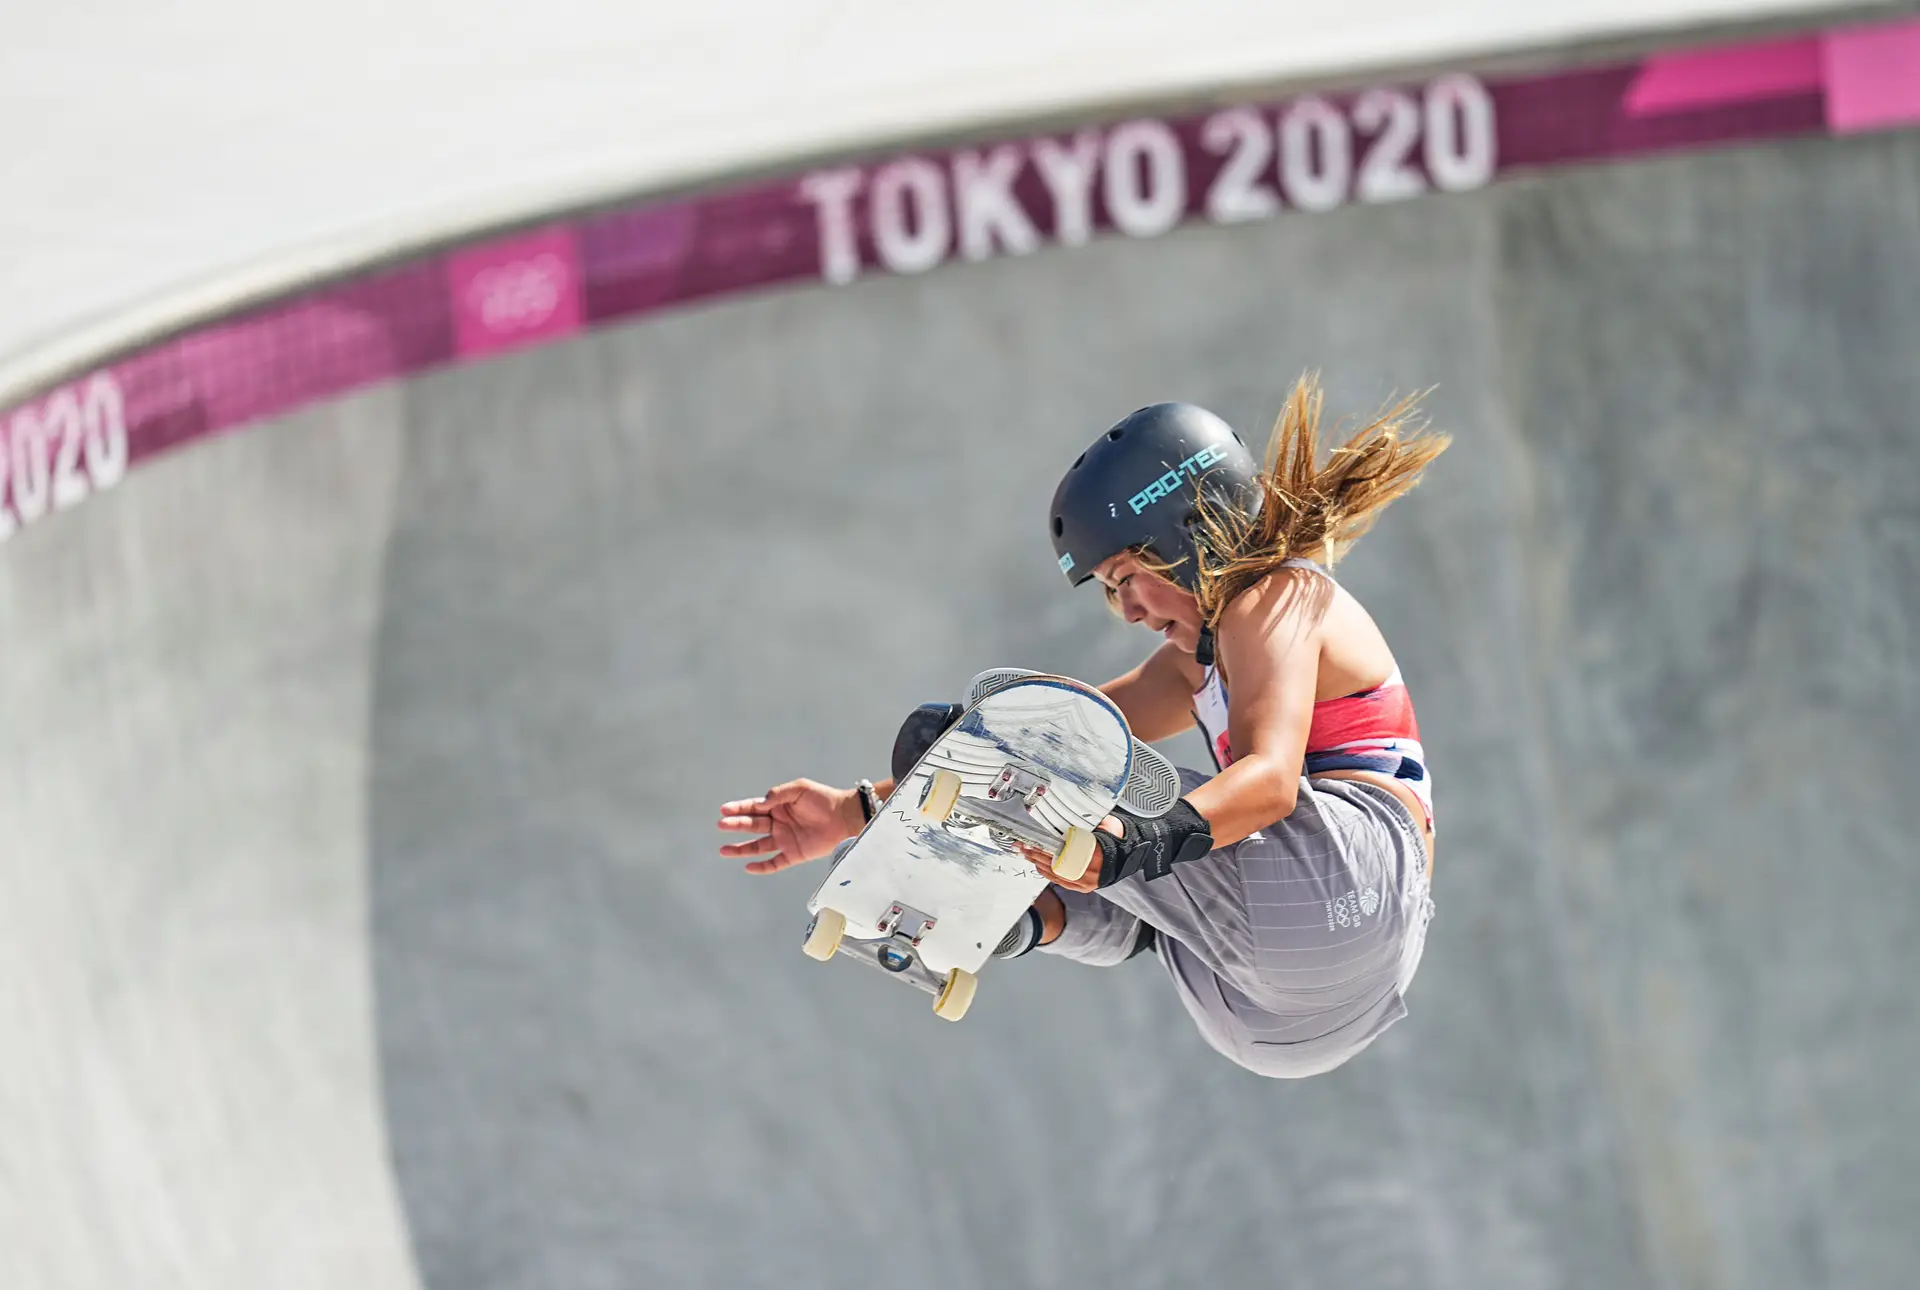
<point>1292,949</point>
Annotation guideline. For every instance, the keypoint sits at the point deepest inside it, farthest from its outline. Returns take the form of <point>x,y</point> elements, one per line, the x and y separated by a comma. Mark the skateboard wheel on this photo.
<point>1075,854</point>
<point>957,995</point>
<point>823,938</point>
<point>942,793</point>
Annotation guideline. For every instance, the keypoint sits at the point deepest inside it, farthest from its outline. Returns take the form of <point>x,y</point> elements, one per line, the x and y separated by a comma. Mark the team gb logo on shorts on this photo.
<point>1350,909</point>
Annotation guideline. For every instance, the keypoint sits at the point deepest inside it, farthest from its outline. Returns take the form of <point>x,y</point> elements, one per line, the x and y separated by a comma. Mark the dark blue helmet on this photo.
<point>1140,484</point>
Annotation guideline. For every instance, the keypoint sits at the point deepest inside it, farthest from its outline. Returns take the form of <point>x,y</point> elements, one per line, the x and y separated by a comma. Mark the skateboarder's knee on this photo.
<point>923,725</point>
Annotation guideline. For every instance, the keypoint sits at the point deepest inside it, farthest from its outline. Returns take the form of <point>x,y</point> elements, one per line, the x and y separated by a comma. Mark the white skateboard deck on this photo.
<point>1035,756</point>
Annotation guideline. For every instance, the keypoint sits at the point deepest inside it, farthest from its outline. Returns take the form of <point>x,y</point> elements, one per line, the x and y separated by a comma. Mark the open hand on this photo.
<point>799,821</point>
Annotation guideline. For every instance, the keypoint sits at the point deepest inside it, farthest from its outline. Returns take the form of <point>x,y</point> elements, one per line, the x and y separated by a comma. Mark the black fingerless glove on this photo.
<point>1152,846</point>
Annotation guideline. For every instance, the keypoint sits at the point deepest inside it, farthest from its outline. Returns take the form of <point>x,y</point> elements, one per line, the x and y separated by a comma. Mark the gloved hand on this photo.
<point>1152,846</point>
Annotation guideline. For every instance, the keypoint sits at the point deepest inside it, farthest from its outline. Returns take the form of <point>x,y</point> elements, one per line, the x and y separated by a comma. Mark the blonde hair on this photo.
<point>1309,508</point>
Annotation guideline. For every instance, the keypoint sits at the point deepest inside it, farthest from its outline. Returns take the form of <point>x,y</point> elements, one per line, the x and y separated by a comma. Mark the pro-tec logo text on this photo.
<point>1169,482</point>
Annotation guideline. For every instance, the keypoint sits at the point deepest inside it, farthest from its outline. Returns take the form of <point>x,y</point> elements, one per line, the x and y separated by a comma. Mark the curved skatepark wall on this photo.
<point>376,656</point>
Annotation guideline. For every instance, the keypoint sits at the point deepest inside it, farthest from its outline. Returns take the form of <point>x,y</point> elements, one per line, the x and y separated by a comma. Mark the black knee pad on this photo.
<point>923,725</point>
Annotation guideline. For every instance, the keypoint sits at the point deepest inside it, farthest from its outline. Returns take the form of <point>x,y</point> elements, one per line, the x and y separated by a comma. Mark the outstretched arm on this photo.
<point>798,821</point>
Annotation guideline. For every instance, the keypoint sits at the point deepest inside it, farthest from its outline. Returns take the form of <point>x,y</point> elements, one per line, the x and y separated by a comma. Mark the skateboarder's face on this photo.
<point>1141,596</point>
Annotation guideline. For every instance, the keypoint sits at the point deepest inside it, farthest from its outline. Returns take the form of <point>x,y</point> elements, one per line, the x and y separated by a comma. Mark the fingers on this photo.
<point>779,795</point>
<point>755,815</point>
<point>749,807</point>
<point>1043,861</point>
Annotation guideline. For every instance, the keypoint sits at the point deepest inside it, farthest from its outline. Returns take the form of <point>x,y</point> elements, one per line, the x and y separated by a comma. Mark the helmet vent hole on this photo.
<point>1059,526</point>
<point>1115,433</point>
<point>1076,461</point>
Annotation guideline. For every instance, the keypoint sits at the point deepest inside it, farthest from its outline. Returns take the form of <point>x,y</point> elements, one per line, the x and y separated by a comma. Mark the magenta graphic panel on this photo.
<point>1873,77</point>
<point>1679,82</point>
<point>516,292</point>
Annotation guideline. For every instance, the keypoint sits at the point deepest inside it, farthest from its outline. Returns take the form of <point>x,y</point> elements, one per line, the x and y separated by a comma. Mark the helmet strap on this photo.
<point>1203,648</point>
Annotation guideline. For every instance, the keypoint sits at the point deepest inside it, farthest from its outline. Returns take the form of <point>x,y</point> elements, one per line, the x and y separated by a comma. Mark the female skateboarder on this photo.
<point>1287,893</point>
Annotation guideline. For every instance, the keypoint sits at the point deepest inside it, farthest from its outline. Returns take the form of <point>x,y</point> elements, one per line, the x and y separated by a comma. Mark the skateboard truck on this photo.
<point>904,920</point>
<point>1010,814</point>
<point>903,926</point>
<point>1017,782</point>
<point>1007,809</point>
